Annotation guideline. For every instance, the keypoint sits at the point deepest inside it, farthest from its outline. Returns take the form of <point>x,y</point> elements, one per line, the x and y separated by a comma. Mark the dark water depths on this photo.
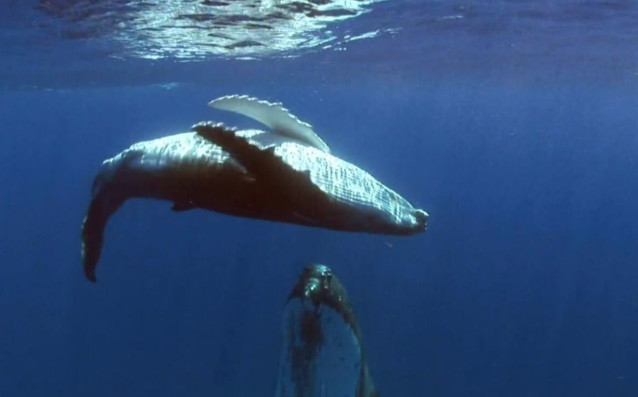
<point>514,124</point>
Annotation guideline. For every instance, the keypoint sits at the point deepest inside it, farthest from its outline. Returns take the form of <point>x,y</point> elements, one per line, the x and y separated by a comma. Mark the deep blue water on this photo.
<point>523,285</point>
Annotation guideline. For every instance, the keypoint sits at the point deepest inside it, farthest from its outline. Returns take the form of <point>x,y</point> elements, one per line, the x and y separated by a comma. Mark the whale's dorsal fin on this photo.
<point>273,115</point>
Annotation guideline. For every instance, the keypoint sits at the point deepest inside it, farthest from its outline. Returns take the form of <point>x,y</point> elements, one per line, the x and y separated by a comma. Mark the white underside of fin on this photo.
<point>273,115</point>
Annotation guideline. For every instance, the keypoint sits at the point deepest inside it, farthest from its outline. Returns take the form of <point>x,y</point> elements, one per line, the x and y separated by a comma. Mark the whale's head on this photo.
<point>419,221</point>
<point>413,221</point>
<point>319,285</point>
<point>322,352</point>
<point>403,220</point>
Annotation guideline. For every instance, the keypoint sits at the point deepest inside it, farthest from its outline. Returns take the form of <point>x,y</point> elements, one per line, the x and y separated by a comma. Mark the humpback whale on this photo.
<point>322,353</point>
<point>286,174</point>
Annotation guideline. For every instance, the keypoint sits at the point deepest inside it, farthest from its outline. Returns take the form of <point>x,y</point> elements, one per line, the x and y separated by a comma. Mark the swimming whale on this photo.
<point>286,174</point>
<point>322,353</point>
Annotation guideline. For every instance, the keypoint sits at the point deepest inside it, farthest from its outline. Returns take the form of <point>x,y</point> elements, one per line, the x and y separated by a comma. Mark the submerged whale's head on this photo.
<point>405,221</point>
<point>322,353</point>
<point>412,221</point>
<point>420,220</point>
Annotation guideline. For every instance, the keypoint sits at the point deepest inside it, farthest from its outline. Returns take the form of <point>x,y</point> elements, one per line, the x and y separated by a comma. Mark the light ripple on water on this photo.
<point>59,44</point>
<point>196,29</point>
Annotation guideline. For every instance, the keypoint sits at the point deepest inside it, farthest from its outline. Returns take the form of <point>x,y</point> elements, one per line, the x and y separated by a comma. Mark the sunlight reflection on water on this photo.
<point>193,30</point>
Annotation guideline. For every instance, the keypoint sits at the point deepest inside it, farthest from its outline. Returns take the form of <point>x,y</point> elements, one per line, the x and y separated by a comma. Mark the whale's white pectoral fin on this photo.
<point>273,115</point>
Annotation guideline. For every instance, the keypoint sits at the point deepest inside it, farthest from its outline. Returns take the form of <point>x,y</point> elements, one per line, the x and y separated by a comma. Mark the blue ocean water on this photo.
<point>513,124</point>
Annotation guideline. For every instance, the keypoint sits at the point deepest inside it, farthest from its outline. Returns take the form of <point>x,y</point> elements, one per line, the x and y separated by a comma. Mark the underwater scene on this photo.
<point>319,198</point>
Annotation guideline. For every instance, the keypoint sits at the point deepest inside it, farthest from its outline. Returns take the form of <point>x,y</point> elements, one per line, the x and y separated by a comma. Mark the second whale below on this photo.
<point>286,174</point>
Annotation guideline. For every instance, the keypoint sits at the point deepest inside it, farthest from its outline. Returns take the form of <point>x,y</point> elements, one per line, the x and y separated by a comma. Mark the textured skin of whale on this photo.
<point>322,354</point>
<point>355,200</point>
<point>349,184</point>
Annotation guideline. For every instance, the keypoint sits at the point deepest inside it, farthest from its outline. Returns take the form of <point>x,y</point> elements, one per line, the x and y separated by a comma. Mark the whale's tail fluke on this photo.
<point>104,203</point>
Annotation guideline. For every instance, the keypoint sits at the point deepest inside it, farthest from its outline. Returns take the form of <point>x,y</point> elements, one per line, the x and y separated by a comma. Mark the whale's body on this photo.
<point>287,175</point>
<point>322,353</point>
